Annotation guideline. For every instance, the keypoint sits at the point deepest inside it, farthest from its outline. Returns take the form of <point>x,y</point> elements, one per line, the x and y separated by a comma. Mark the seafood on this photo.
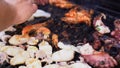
<point>11,50</point>
<point>33,63</point>
<point>56,66</point>
<point>35,46</point>
<point>111,45</point>
<point>117,23</point>
<point>40,54</point>
<point>36,30</point>
<point>10,28</point>
<point>101,60</point>
<point>32,50</point>
<point>22,67</point>
<point>66,49</point>
<point>55,40</point>
<point>99,25</point>
<point>79,64</point>
<point>61,45</point>
<point>20,58</point>
<point>39,13</point>
<point>97,58</point>
<point>45,47</point>
<point>52,66</point>
<point>2,43</point>
<point>63,55</point>
<point>18,40</point>
<point>62,3</point>
<point>32,41</point>
<point>3,57</point>
<point>85,49</point>
<point>4,37</point>
<point>76,16</point>
<point>116,32</point>
<point>96,43</point>
<point>44,52</point>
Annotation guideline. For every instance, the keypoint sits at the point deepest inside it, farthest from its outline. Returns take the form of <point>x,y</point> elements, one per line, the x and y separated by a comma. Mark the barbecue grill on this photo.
<point>77,32</point>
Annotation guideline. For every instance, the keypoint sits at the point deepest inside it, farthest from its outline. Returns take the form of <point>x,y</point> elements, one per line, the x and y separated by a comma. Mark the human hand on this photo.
<point>23,9</point>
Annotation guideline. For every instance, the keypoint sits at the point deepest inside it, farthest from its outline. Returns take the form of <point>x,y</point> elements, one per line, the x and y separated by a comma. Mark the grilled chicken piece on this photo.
<point>76,16</point>
<point>62,3</point>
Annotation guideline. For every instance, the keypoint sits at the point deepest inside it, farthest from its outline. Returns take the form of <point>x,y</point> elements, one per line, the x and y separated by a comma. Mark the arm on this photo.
<point>17,11</point>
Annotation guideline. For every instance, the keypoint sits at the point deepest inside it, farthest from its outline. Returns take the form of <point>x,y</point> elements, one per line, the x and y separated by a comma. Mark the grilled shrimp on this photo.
<point>76,16</point>
<point>37,30</point>
<point>62,3</point>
